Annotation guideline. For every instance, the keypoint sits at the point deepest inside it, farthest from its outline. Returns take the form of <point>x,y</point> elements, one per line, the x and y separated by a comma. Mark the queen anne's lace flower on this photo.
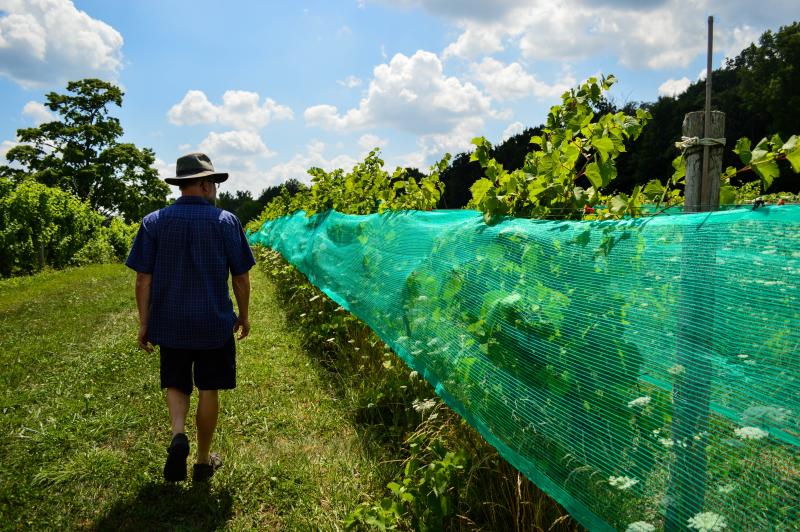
<point>677,369</point>
<point>765,414</point>
<point>424,405</point>
<point>622,483</point>
<point>640,526</point>
<point>751,433</point>
<point>707,522</point>
<point>640,401</point>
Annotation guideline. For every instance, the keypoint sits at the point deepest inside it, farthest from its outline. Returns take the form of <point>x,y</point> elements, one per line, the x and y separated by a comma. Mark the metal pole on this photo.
<point>705,191</point>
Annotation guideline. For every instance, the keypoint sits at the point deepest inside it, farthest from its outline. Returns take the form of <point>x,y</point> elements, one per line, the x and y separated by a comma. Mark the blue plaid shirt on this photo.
<point>189,248</point>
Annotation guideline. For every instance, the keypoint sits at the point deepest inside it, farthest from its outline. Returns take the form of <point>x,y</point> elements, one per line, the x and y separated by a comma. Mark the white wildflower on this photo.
<point>666,442</point>
<point>339,309</point>
<point>303,315</point>
<point>743,356</point>
<point>751,433</point>
<point>313,298</point>
<point>750,362</point>
<point>622,483</point>
<point>424,405</point>
<point>640,401</point>
<point>727,488</point>
<point>351,341</point>
<point>413,375</point>
<point>330,340</point>
<point>707,522</point>
<point>765,414</point>
<point>640,526</point>
<point>677,369</point>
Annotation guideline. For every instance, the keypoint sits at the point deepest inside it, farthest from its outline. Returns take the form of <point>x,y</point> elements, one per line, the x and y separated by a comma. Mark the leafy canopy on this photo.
<point>80,153</point>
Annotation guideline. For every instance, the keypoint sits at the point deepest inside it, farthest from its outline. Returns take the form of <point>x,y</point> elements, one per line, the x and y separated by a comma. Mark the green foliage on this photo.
<point>45,226</point>
<point>80,153</point>
<point>426,495</point>
<point>111,243</point>
<point>40,220</point>
<point>768,78</point>
<point>762,160</point>
<point>366,189</point>
<point>574,144</point>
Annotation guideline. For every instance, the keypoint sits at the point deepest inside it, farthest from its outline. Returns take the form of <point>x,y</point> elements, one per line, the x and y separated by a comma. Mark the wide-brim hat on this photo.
<point>195,166</point>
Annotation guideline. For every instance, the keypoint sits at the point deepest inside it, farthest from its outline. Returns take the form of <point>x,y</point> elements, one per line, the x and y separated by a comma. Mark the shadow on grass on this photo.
<point>160,506</point>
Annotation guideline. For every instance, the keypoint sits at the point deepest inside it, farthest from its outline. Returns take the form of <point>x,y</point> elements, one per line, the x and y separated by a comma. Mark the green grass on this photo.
<point>84,427</point>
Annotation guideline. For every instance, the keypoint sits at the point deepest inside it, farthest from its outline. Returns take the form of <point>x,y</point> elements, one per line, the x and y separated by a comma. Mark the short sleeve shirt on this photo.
<point>190,248</point>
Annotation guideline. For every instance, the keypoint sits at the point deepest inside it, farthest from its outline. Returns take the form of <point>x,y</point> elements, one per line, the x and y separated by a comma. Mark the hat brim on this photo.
<point>219,177</point>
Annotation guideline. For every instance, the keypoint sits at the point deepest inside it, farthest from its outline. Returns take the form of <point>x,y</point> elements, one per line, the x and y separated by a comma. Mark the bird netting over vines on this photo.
<point>643,372</point>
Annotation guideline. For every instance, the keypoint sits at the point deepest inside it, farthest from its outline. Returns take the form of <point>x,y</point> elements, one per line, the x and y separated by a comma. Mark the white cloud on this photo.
<point>409,94</point>
<point>674,87</point>
<point>164,169</point>
<point>512,82</point>
<point>45,42</point>
<point>656,34</point>
<point>350,82</point>
<point>515,128</point>
<point>737,40</point>
<point>475,41</point>
<point>234,144</point>
<point>344,31</point>
<point>239,109</point>
<point>37,112</point>
<point>193,109</point>
<point>460,9</point>
<point>241,153</point>
<point>457,140</point>
<point>369,141</point>
<point>5,146</point>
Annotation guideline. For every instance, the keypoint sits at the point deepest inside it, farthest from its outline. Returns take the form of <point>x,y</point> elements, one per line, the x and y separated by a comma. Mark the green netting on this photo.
<point>641,371</point>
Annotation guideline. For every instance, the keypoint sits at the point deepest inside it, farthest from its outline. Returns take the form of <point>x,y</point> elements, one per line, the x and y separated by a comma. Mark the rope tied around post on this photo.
<point>697,142</point>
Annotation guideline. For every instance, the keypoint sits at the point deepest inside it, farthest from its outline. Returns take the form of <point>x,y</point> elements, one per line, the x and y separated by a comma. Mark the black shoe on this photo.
<point>203,472</point>
<point>178,450</point>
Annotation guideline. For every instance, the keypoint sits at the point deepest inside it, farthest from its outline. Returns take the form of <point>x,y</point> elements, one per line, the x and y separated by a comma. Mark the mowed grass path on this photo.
<point>84,427</point>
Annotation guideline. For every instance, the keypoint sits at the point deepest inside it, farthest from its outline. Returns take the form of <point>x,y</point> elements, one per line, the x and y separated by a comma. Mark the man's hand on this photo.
<point>242,325</point>
<point>144,343</point>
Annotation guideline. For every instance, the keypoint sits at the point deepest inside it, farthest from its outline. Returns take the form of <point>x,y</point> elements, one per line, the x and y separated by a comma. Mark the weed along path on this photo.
<point>84,427</point>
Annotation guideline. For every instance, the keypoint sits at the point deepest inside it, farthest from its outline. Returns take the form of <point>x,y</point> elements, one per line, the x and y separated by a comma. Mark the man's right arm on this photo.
<point>241,290</point>
<point>144,282</point>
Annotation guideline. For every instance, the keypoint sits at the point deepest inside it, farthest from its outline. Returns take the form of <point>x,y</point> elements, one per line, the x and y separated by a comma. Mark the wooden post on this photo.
<point>702,195</point>
<point>691,395</point>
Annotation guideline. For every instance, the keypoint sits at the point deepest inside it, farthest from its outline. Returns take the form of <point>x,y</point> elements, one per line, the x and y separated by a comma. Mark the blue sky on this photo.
<point>269,89</point>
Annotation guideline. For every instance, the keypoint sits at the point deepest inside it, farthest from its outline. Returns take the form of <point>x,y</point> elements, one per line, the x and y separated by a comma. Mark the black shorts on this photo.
<point>214,369</point>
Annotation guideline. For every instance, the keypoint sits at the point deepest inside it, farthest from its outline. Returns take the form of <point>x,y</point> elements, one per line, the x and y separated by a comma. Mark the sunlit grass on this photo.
<point>84,426</point>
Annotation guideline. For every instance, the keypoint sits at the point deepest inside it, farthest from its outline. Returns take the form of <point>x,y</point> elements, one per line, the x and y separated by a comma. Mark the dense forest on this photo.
<point>758,90</point>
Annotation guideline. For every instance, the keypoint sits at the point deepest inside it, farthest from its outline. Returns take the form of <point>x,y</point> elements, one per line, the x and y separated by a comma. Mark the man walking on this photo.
<point>183,254</point>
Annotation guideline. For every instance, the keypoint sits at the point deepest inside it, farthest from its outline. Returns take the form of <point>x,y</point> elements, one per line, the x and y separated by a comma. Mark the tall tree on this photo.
<point>80,153</point>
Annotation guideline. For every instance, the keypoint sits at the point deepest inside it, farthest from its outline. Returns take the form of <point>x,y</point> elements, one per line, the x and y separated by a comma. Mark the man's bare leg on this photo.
<point>178,405</point>
<point>207,412</point>
<point>178,450</point>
